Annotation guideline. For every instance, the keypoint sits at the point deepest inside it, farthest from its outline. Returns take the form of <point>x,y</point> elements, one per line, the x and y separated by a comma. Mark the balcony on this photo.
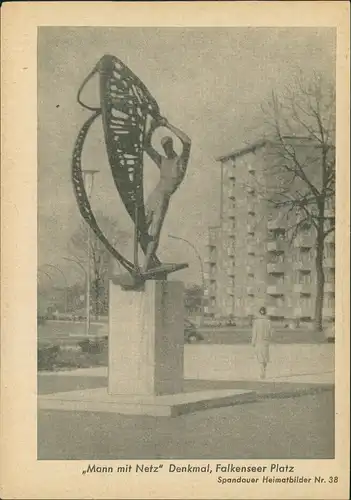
<point>330,238</point>
<point>230,290</point>
<point>231,192</point>
<point>329,287</point>
<point>231,213</point>
<point>251,190</point>
<point>303,241</point>
<point>250,290</point>
<point>230,252</point>
<point>303,265</point>
<point>276,290</point>
<point>303,288</point>
<point>275,311</point>
<point>303,312</point>
<point>251,168</point>
<point>276,268</point>
<point>231,270</point>
<point>211,245</point>
<point>231,174</point>
<point>276,246</point>
<point>275,224</point>
<point>251,207</point>
<point>329,263</point>
<point>251,250</point>
<point>212,259</point>
<point>209,277</point>
<point>231,232</point>
<point>251,228</point>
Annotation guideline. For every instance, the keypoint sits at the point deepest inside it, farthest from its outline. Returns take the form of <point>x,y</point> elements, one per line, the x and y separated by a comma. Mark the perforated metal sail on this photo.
<point>125,103</point>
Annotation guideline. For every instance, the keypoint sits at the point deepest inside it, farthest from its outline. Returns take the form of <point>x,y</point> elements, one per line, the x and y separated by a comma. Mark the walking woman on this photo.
<point>261,336</point>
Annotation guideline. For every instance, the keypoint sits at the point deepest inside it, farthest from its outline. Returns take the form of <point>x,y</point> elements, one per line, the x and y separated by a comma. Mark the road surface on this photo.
<point>295,428</point>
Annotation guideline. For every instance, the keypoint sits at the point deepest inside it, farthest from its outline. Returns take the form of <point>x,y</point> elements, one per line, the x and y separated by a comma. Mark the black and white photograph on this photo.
<point>185,257</point>
<point>186,249</point>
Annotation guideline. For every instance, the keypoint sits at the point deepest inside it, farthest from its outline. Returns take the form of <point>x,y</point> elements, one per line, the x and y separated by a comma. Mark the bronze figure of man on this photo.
<point>172,171</point>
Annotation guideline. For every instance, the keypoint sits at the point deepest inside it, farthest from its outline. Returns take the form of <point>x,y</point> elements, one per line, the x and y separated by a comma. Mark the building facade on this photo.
<point>252,260</point>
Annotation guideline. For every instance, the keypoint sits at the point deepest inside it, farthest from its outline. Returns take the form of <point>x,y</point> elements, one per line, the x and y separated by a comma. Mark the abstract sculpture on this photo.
<point>125,106</point>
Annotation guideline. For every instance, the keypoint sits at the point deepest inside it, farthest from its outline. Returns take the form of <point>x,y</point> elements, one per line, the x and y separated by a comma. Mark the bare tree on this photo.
<point>99,256</point>
<point>301,165</point>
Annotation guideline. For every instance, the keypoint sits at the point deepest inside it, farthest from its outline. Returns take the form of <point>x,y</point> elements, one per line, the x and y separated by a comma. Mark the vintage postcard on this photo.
<point>175,275</point>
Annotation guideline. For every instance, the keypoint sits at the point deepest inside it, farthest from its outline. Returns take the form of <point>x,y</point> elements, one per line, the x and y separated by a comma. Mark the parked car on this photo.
<point>191,334</point>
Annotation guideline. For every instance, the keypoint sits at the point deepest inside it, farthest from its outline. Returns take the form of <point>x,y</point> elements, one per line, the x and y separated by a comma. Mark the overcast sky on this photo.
<point>209,82</point>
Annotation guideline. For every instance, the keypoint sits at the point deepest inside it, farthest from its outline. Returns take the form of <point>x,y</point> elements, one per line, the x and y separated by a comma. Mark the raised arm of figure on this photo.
<point>154,155</point>
<point>186,141</point>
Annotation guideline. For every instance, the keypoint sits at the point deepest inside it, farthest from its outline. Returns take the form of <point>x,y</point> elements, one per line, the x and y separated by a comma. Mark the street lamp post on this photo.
<point>88,176</point>
<point>40,270</point>
<point>87,323</point>
<point>201,270</point>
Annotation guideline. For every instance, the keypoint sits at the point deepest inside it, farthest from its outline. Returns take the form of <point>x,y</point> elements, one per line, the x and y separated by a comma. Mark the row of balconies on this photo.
<point>282,289</point>
<point>281,267</point>
<point>277,246</point>
<point>272,267</point>
<point>292,312</point>
<point>301,241</point>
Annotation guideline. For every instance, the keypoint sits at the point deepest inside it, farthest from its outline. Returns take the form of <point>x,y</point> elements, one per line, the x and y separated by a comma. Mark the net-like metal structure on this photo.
<point>125,104</point>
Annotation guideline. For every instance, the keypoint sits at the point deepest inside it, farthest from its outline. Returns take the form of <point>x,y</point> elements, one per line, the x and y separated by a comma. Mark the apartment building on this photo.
<point>251,259</point>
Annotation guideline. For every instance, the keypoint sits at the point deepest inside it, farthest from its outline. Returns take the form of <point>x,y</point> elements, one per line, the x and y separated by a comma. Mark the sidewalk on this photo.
<point>323,377</point>
<point>270,388</point>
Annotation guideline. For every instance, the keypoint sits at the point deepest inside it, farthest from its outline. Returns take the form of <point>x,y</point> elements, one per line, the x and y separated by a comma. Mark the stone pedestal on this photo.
<point>146,339</point>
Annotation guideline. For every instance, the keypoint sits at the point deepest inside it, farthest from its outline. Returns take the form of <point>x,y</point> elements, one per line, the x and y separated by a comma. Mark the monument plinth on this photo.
<point>146,339</point>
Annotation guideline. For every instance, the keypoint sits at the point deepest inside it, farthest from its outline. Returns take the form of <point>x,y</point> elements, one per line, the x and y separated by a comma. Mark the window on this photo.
<point>305,277</point>
<point>329,301</point>
<point>277,258</point>
<point>329,275</point>
<point>280,234</point>
<point>305,301</point>
<point>305,252</point>
<point>329,251</point>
